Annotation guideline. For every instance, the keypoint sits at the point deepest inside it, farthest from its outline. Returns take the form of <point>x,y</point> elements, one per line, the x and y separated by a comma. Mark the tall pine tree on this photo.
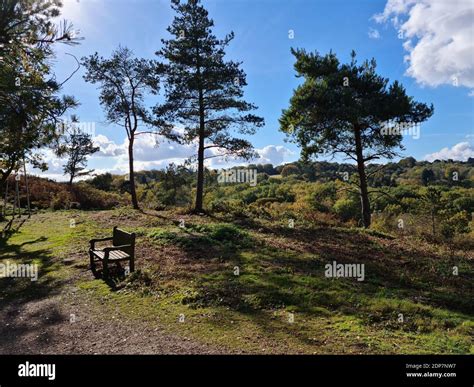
<point>204,92</point>
<point>345,109</point>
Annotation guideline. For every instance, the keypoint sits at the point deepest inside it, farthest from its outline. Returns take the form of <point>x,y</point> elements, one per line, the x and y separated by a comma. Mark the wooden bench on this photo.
<point>123,249</point>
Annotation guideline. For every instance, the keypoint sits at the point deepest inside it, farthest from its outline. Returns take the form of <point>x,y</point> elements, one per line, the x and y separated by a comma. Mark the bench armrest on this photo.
<point>92,242</point>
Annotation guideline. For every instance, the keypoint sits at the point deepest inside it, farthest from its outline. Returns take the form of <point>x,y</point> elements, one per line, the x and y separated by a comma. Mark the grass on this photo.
<point>260,287</point>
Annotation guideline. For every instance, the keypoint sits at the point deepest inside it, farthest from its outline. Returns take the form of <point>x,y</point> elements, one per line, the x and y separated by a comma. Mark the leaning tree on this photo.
<point>204,92</point>
<point>349,109</point>
<point>124,82</point>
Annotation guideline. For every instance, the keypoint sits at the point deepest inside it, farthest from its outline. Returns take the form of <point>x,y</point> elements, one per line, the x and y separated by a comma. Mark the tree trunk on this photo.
<point>433,223</point>
<point>3,187</point>
<point>133,191</point>
<point>200,178</point>
<point>2,191</point>
<point>364,194</point>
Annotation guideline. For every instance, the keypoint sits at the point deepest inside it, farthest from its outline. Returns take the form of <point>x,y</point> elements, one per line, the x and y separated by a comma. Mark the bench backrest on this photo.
<point>124,238</point>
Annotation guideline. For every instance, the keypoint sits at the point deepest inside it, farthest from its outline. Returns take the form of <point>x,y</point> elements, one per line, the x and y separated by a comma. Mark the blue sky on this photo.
<point>440,69</point>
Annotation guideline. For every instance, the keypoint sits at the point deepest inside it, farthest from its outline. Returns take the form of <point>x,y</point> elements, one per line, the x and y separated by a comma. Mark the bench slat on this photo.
<point>113,255</point>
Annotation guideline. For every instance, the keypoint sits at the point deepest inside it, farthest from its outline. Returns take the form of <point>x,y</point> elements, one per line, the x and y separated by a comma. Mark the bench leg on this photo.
<point>105,268</point>
<point>92,263</point>
<point>132,265</point>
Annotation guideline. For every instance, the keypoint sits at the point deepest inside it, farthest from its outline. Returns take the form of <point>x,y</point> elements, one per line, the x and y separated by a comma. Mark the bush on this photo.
<point>234,207</point>
<point>393,209</point>
<point>322,197</point>
<point>228,233</point>
<point>347,209</point>
<point>62,200</point>
<point>102,182</point>
<point>290,169</point>
<point>94,199</point>
<point>46,194</point>
<point>456,224</point>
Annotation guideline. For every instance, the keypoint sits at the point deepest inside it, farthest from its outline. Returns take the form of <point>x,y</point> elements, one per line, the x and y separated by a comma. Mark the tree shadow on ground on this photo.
<point>280,279</point>
<point>9,229</point>
<point>16,294</point>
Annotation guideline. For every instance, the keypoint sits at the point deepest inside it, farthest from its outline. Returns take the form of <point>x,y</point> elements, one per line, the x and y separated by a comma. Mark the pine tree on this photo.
<point>124,82</point>
<point>30,105</point>
<point>348,109</point>
<point>76,145</point>
<point>204,92</point>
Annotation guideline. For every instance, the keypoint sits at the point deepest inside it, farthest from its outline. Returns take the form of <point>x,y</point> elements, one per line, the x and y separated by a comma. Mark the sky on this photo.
<point>428,45</point>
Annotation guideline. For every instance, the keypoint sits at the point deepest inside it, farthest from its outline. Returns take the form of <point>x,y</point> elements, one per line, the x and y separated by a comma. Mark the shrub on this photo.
<point>322,197</point>
<point>46,193</point>
<point>228,233</point>
<point>456,224</point>
<point>102,182</point>
<point>290,169</point>
<point>347,209</point>
<point>92,198</point>
<point>393,209</point>
<point>62,200</point>
<point>234,207</point>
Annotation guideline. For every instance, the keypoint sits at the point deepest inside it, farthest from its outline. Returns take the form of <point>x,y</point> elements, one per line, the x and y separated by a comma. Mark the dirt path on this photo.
<point>36,317</point>
<point>46,327</point>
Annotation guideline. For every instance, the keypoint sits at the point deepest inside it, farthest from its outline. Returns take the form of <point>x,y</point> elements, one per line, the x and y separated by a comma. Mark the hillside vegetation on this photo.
<point>249,275</point>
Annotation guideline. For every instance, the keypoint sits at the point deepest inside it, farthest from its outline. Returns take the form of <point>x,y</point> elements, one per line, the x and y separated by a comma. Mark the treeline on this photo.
<point>405,171</point>
<point>318,193</point>
<point>172,186</point>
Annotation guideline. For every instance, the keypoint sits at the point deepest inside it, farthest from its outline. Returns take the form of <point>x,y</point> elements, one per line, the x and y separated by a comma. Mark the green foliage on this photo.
<point>290,169</point>
<point>30,105</point>
<point>102,182</point>
<point>92,198</point>
<point>319,125</point>
<point>456,224</point>
<point>347,209</point>
<point>170,187</point>
<point>77,146</point>
<point>124,82</point>
<point>348,109</point>
<point>427,176</point>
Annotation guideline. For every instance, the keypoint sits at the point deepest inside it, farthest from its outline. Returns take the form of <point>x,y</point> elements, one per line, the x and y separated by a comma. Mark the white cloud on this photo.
<point>461,152</point>
<point>270,154</point>
<point>148,147</point>
<point>439,38</point>
<point>155,152</point>
<point>274,154</point>
<point>55,167</point>
<point>374,33</point>
<point>108,148</point>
